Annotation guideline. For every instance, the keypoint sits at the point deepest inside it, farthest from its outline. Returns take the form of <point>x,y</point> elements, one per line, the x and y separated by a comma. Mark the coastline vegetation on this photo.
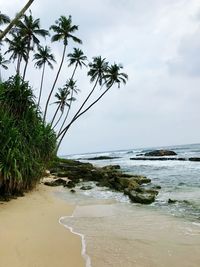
<point>30,136</point>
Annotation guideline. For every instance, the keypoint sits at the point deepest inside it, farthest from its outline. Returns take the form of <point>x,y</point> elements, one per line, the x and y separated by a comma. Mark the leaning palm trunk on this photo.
<point>61,131</point>
<point>58,120</point>
<point>41,85</point>
<point>55,114</point>
<point>64,131</point>
<point>14,21</point>
<point>52,89</point>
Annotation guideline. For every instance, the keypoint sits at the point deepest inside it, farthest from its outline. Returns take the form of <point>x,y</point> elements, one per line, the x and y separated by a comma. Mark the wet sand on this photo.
<point>119,235</point>
<point>30,233</point>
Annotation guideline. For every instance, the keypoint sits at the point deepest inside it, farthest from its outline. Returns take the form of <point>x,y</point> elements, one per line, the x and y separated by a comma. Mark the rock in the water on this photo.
<point>160,153</point>
<point>194,159</point>
<point>87,187</point>
<point>102,158</point>
<point>70,184</point>
<point>73,191</point>
<point>56,182</point>
<point>142,198</point>
<point>171,201</point>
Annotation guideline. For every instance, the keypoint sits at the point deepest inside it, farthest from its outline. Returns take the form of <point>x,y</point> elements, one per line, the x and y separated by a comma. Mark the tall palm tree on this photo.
<point>3,64</point>
<point>61,102</point>
<point>112,76</point>
<point>18,49</point>
<point>43,57</point>
<point>64,31</point>
<point>29,29</point>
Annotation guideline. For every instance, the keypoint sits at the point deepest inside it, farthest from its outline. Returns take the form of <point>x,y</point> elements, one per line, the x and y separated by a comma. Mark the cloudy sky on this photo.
<point>158,43</point>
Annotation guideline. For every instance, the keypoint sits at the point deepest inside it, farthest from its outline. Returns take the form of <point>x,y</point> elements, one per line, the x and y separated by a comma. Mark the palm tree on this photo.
<point>71,86</point>
<point>18,48</point>
<point>97,72</point>
<point>112,76</point>
<point>3,64</point>
<point>61,102</point>
<point>15,20</point>
<point>43,57</point>
<point>76,58</point>
<point>29,29</point>
<point>63,32</point>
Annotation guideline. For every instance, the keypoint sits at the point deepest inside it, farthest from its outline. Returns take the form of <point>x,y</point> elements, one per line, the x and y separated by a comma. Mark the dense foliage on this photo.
<point>27,144</point>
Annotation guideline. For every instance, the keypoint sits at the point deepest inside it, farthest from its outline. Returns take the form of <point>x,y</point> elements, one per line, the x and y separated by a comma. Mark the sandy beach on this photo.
<point>31,235</point>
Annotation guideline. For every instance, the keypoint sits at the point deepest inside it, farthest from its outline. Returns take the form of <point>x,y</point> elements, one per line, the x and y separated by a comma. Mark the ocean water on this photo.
<point>116,232</point>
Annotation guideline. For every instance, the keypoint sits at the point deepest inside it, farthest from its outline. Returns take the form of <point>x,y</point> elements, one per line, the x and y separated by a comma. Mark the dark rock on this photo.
<point>88,187</point>
<point>156,187</point>
<point>70,184</point>
<point>56,182</point>
<point>151,158</point>
<point>194,159</point>
<point>160,153</point>
<point>142,198</point>
<point>73,191</point>
<point>111,167</point>
<point>102,158</point>
<point>171,201</point>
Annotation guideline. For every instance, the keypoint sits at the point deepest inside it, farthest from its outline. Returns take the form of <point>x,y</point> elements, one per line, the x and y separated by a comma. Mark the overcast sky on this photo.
<point>158,43</point>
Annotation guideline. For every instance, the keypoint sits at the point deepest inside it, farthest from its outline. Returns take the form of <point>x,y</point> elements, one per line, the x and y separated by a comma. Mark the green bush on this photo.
<point>26,143</point>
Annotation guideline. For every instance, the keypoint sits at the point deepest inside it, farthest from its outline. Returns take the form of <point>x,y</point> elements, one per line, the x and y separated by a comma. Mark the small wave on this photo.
<point>83,242</point>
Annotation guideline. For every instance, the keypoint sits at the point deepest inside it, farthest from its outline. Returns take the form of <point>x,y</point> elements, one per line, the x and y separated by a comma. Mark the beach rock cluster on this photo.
<point>70,173</point>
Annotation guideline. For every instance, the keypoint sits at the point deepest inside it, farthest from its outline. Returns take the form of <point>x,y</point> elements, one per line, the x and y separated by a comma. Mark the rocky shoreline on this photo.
<point>70,173</point>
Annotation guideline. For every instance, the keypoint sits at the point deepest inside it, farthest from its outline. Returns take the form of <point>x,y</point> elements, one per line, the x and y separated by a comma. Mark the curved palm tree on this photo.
<point>18,50</point>
<point>112,76</point>
<point>64,31</point>
<point>29,29</point>
<point>3,64</point>
<point>62,101</point>
<point>43,57</point>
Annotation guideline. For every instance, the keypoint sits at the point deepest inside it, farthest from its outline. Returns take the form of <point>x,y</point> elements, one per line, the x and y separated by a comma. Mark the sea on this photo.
<point>117,233</point>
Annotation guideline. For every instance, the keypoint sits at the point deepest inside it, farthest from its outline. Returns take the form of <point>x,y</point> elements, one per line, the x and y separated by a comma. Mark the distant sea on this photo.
<point>120,233</point>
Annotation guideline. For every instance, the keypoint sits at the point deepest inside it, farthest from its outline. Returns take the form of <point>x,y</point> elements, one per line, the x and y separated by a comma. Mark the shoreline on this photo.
<point>31,234</point>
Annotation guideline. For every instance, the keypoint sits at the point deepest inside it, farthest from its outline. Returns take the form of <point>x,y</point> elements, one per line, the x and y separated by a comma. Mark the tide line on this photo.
<point>83,242</point>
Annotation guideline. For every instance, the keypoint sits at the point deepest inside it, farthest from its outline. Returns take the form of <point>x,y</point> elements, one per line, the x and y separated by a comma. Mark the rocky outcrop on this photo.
<point>143,197</point>
<point>102,158</point>
<point>194,159</point>
<point>109,176</point>
<point>160,153</point>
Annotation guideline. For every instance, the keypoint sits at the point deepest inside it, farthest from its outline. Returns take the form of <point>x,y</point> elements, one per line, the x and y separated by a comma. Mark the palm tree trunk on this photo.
<point>55,114</point>
<point>58,120</point>
<point>70,101</point>
<point>52,89</point>
<point>64,131</point>
<point>26,64</point>
<point>60,131</point>
<point>14,21</point>
<point>41,84</point>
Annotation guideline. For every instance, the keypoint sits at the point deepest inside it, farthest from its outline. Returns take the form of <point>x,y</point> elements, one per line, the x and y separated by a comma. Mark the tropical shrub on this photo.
<point>27,144</point>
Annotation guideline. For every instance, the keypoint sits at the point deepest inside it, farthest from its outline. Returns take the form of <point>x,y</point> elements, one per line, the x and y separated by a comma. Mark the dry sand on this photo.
<point>31,236</point>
